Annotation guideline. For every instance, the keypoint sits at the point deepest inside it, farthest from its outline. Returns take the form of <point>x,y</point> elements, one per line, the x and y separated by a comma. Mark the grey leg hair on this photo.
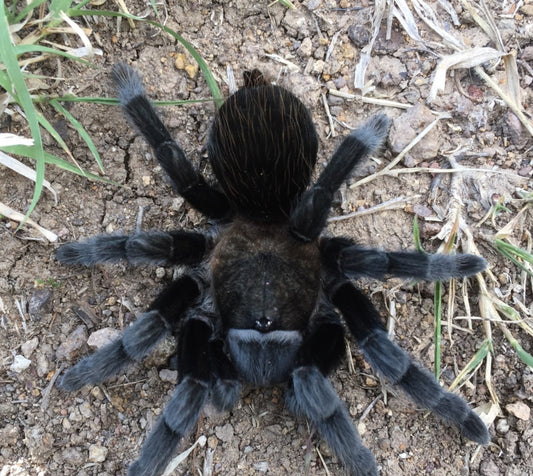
<point>356,262</point>
<point>389,360</point>
<point>179,417</point>
<point>310,394</point>
<point>224,394</point>
<point>153,247</point>
<point>136,342</point>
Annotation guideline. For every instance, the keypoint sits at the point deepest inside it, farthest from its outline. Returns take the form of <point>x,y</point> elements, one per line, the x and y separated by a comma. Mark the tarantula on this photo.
<point>267,298</point>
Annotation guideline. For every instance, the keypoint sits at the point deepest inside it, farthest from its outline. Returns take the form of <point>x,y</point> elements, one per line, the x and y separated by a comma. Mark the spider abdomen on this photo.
<point>263,278</point>
<point>262,148</point>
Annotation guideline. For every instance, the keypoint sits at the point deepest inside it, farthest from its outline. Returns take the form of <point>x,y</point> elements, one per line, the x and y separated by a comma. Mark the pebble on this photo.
<point>85,410</point>
<point>20,363</point>
<point>43,359</point>
<point>527,53</point>
<point>359,35</point>
<point>519,410</point>
<point>262,466</point>
<point>39,303</point>
<point>97,453</point>
<point>9,435</point>
<point>29,346</point>
<point>313,4</point>
<point>527,10</point>
<point>406,127</point>
<point>69,348</point>
<point>102,337</point>
<point>167,375</point>
<point>525,171</point>
<point>225,432</point>
<point>502,427</point>
<point>306,48</point>
<point>296,24</point>
<point>489,468</point>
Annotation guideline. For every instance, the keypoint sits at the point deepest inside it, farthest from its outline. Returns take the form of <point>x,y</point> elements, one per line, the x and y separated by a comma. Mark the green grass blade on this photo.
<point>524,355</point>
<point>55,9</point>
<point>9,58</point>
<point>30,152</point>
<point>24,49</point>
<point>31,6</point>
<point>474,362</point>
<point>45,123</point>
<point>43,98</point>
<point>81,131</point>
<point>209,78</point>
<point>288,4</point>
<point>416,234</point>
<point>513,252</point>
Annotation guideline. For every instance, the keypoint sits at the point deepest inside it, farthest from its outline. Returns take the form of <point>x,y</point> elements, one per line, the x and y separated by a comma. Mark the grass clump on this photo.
<point>25,89</point>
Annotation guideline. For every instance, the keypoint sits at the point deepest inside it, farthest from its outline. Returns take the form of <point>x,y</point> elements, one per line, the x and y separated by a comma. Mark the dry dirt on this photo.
<point>99,431</point>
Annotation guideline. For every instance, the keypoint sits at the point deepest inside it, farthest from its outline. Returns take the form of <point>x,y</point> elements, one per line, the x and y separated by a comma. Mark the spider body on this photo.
<point>266,296</point>
<point>263,264</point>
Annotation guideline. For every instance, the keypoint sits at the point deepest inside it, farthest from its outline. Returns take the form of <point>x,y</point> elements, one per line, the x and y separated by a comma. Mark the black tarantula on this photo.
<point>267,298</point>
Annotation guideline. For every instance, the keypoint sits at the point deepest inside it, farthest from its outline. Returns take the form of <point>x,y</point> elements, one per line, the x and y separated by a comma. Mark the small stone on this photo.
<point>359,35</point>
<point>527,53</point>
<point>422,210</point>
<point>212,442</point>
<point>167,375</point>
<point>519,410</point>
<point>489,468</point>
<point>502,427</point>
<point>29,346</point>
<point>160,272</point>
<point>313,4</point>
<point>39,443</point>
<point>179,63</point>
<point>9,435</point>
<point>318,66</point>
<point>102,337</point>
<point>97,453</point>
<point>525,171</point>
<point>85,410</point>
<point>306,48</point>
<point>20,363</point>
<point>177,203</point>
<point>69,348</point>
<point>262,466</point>
<point>527,10</point>
<point>39,303</point>
<point>192,70</point>
<point>66,424</point>
<point>224,433</point>
<point>406,127</point>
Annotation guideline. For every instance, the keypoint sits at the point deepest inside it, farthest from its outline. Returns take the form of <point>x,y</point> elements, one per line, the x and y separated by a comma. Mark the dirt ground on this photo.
<point>50,313</point>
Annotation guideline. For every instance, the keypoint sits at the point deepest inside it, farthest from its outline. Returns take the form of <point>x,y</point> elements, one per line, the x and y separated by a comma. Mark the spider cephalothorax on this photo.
<point>266,296</point>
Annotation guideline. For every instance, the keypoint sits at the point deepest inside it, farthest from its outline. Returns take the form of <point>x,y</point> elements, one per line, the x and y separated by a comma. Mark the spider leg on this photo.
<point>226,386</point>
<point>310,214</point>
<point>311,395</point>
<point>183,410</point>
<point>389,360</point>
<point>152,247</point>
<point>138,339</point>
<point>355,261</point>
<point>188,182</point>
